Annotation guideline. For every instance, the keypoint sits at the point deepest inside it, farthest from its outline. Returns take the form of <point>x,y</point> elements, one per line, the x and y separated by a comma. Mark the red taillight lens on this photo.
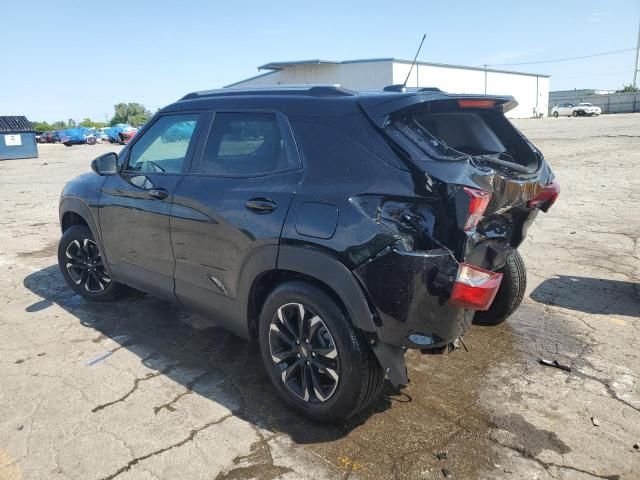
<point>471,103</point>
<point>477,206</point>
<point>475,288</point>
<point>546,197</point>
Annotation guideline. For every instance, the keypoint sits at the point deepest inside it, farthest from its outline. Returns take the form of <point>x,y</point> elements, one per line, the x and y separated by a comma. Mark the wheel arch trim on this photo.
<point>334,274</point>
<point>77,206</point>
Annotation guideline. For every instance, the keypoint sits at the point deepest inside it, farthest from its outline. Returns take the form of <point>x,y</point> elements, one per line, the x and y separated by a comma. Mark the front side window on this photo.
<point>163,148</point>
<point>244,143</point>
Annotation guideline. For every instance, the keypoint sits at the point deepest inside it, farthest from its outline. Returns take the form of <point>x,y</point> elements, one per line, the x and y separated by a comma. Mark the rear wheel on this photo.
<point>555,114</point>
<point>319,364</point>
<point>82,266</point>
<point>510,293</point>
<point>574,113</point>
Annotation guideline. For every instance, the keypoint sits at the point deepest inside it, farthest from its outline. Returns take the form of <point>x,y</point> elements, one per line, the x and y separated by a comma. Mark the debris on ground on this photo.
<point>636,446</point>
<point>595,421</point>
<point>441,455</point>
<point>447,473</point>
<point>554,363</point>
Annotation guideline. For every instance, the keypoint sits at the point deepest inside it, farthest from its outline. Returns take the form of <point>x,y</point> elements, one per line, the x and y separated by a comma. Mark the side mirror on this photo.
<point>106,164</point>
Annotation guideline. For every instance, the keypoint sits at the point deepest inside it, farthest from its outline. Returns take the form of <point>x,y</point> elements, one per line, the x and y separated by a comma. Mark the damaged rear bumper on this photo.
<point>409,291</point>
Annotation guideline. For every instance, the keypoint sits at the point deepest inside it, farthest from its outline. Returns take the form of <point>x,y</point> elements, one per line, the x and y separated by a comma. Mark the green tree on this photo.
<point>41,126</point>
<point>135,114</point>
<point>59,125</point>
<point>87,122</point>
<point>71,123</point>
<point>628,88</point>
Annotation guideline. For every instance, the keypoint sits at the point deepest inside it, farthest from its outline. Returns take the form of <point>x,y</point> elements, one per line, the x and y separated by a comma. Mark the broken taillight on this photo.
<point>547,197</point>
<point>479,199</point>
<point>475,288</point>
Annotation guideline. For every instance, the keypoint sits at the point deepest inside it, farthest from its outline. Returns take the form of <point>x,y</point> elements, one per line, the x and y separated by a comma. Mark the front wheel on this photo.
<point>82,266</point>
<point>555,114</point>
<point>318,363</point>
<point>510,293</point>
<point>574,113</point>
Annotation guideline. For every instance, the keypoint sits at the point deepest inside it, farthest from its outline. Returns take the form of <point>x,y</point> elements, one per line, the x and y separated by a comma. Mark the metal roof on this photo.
<point>9,124</point>
<point>295,63</point>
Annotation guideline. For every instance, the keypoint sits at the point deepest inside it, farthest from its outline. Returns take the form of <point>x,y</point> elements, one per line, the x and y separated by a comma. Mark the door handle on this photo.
<point>260,205</point>
<point>159,193</point>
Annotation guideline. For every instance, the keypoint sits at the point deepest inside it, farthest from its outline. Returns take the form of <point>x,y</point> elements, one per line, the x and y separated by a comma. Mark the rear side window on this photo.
<point>244,143</point>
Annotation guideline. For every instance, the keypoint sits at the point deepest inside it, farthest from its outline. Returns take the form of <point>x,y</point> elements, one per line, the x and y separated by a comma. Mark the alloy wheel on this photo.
<point>303,350</point>
<point>85,267</point>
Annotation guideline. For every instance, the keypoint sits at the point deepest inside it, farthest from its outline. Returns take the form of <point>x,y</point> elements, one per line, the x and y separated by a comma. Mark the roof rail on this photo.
<point>402,88</point>
<point>316,90</point>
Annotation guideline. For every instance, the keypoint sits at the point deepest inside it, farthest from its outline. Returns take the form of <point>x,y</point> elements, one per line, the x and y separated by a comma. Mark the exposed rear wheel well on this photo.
<point>69,219</point>
<point>264,285</point>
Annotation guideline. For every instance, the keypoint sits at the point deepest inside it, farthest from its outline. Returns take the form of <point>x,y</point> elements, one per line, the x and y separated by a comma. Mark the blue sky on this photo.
<point>78,60</point>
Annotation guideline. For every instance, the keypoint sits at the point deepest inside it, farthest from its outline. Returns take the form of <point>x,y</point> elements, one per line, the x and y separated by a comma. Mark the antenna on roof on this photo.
<point>404,85</point>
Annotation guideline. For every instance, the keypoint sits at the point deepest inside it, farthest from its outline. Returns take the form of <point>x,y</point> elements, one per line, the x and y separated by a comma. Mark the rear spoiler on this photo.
<point>380,107</point>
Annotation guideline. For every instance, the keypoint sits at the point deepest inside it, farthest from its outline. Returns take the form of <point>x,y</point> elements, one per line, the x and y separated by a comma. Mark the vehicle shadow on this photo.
<point>589,295</point>
<point>207,360</point>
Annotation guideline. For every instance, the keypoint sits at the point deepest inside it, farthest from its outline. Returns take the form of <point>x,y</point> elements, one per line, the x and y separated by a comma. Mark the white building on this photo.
<point>529,89</point>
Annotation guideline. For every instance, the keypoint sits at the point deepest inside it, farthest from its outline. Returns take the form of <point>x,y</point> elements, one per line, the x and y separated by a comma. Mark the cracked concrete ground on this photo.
<point>142,390</point>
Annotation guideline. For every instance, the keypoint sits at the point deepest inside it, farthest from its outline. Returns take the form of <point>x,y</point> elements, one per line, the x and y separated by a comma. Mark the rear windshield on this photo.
<point>484,137</point>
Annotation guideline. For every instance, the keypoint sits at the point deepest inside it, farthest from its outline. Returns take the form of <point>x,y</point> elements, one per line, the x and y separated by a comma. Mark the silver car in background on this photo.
<point>579,110</point>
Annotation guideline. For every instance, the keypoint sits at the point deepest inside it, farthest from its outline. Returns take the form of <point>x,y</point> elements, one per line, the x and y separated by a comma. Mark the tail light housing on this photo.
<point>479,199</point>
<point>547,197</point>
<point>475,288</point>
<point>476,103</point>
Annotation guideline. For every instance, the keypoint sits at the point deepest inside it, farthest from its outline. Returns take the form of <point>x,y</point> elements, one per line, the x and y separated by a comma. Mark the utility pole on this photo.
<point>485,79</point>
<point>636,67</point>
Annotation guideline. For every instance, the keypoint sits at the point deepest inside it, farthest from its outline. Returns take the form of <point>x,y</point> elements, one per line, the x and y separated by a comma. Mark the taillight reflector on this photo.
<point>479,199</point>
<point>547,197</point>
<point>475,288</point>
<point>476,103</point>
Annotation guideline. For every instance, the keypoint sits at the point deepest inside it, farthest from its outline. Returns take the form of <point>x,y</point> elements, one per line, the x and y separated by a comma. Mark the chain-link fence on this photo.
<point>610,103</point>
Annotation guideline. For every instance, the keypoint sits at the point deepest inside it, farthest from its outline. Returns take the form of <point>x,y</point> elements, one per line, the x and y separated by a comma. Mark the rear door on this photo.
<point>135,205</point>
<point>229,211</point>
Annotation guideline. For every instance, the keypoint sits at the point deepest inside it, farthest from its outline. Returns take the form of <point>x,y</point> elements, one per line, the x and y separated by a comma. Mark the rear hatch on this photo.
<point>491,178</point>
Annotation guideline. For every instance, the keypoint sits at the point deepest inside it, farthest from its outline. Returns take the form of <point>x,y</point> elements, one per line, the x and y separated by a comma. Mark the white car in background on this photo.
<point>587,109</point>
<point>580,110</point>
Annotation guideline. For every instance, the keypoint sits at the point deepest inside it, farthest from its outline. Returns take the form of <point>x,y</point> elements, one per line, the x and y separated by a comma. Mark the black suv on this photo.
<point>336,228</point>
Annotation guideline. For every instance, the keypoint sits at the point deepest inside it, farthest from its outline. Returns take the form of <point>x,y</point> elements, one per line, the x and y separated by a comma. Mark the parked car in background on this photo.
<point>336,228</point>
<point>562,110</point>
<point>101,135</point>
<point>587,109</point>
<point>121,133</point>
<point>571,110</point>
<point>77,136</point>
<point>48,137</point>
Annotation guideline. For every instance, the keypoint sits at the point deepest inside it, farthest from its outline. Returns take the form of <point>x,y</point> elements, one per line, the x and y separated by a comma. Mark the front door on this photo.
<point>136,204</point>
<point>229,211</point>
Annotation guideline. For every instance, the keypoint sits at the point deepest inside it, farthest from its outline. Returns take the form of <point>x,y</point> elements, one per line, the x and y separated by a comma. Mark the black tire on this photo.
<point>357,377</point>
<point>555,114</point>
<point>510,293</point>
<point>91,141</point>
<point>574,113</point>
<point>80,262</point>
